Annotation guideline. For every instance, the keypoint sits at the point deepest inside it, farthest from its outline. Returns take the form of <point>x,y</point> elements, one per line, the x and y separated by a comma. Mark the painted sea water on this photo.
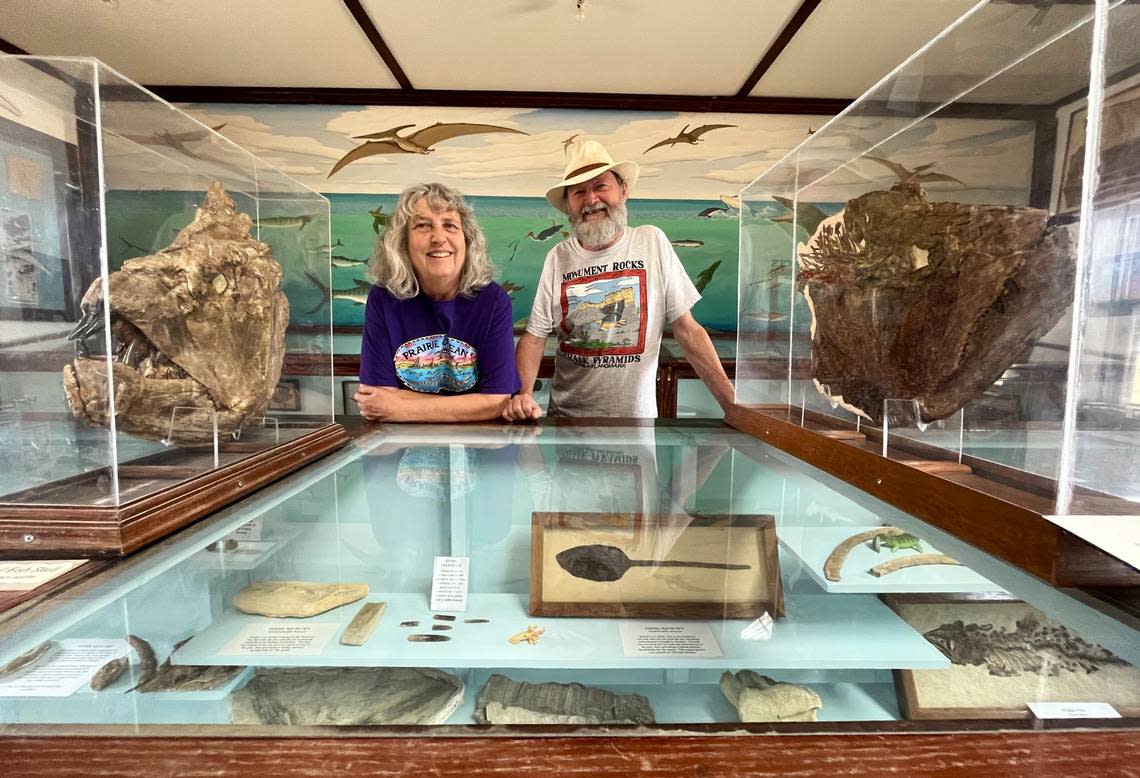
<point>141,222</point>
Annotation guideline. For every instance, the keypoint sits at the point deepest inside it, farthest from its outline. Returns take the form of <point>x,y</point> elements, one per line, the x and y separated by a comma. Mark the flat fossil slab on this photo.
<point>503,701</point>
<point>347,696</point>
<point>296,598</point>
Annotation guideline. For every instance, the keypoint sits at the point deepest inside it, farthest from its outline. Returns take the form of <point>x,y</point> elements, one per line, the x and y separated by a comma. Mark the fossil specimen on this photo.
<point>833,566</point>
<point>759,698</point>
<point>610,563</point>
<point>184,678</point>
<point>911,561</point>
<point>443,617</point>
<point>409,623</point>
<point>929,302</point>
<point>440,627</point>
<point>198,327</point>
<point>531,635</point>
<point>109,673</point>
<point>428,638</point>
<point>29,658</point>
<point>296,598</point>
<point>346,696</point>
<point>476,621</point>
<point>362,624</point>
<point>1032,647</point>
<point>503,701</point>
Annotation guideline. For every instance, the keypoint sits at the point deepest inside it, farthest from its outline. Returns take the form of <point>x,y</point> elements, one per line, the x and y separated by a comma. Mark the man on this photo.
<point>606,292</point>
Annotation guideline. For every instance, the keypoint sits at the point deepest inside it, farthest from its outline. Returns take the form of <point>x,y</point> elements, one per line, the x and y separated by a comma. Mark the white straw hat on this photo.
<point>589,159</point>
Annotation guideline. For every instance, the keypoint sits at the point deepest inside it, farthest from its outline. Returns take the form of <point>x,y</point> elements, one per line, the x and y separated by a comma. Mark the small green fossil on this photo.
<point>895,543</point>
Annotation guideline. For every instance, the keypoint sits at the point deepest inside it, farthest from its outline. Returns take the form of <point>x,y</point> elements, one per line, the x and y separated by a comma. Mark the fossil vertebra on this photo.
<point>759,698</point>
<point>198,327</point>
<point>928,302</point>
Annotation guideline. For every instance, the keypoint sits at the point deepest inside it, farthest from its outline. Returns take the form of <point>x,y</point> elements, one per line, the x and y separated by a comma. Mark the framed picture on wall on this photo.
<point>628,565</point>
<point>286,395</point>
<point>347,390</point>
<point>1119,180</point>
<point>1004,653</point>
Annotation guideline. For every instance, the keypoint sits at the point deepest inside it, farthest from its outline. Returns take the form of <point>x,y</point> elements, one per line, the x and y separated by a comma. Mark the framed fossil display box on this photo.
<point>150,403</point>
<point>654,566</point>
<point>1005,654</point>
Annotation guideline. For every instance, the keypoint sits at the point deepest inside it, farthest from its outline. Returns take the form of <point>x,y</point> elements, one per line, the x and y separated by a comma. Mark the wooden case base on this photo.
<point>36,523</point>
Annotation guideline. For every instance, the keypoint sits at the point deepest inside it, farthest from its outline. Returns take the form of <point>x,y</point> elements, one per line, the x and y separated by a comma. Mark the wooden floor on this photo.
<point>1002,755</point>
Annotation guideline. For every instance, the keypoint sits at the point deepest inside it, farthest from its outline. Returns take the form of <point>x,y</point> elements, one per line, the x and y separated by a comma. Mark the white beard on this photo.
<point>591,234</point>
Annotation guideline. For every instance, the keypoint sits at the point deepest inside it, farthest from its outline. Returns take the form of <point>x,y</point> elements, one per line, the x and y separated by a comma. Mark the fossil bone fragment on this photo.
<point>833,567</point>
<point>109,673</point>
<point>298,599</point>
<point>530,635</point>
<point>29,658</point>
<point>360,628</point>
<point>148,662</point>
<point>197,332</point>
<point>759,698</point>
<point>929,302</point>
<point>911,561</point>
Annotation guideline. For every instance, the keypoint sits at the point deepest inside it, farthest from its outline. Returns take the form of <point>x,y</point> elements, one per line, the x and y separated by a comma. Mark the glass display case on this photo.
<point>157,280</point>
<point>945,275</point>
<point>673,576</point>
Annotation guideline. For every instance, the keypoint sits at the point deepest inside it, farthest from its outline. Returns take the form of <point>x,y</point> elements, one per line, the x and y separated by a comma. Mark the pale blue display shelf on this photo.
<point>818,632</point>
<point>812,545</point>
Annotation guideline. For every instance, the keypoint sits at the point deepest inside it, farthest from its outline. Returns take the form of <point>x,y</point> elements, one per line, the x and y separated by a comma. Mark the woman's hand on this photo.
<point>378,403</point>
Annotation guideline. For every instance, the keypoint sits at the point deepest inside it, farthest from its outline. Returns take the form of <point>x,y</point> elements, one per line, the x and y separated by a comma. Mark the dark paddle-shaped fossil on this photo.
<point>609,563</point>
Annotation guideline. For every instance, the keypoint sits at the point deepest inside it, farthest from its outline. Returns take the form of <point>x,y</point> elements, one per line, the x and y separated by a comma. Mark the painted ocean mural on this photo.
<point>143,222</point>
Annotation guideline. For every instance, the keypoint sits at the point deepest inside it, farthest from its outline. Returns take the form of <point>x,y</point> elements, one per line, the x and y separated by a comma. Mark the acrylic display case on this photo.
<point>159,314</point>
<point>377,515</point>
<point>939,296</point>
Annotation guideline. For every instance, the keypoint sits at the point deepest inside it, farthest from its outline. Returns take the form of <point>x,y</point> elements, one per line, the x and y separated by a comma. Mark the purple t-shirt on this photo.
<point>440,347</point>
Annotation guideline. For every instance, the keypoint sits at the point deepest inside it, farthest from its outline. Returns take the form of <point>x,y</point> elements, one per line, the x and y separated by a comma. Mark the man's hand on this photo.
<point>522,407</point>
<point>378,403</point>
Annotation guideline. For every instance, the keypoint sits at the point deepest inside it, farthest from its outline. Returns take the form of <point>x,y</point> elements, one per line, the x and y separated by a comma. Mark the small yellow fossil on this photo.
<point>530,635</point>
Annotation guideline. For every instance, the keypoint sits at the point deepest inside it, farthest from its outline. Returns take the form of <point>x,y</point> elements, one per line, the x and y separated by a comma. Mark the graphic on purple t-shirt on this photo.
<point>440,346</point>
<point>436,362</point>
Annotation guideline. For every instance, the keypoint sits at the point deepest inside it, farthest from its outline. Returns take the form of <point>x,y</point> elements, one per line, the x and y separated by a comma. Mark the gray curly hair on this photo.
<point>391,267</point>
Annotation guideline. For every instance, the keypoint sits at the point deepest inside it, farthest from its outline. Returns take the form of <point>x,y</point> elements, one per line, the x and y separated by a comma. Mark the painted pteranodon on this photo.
<point>808,216</point>
<point>175,140</point>
<point>686,135</point>
<point>419,142</point>
<point>918,175</point>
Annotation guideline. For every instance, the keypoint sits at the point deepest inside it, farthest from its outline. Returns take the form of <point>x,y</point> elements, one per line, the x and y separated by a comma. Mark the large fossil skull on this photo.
<point>196,329</point>
<point>928,302</point>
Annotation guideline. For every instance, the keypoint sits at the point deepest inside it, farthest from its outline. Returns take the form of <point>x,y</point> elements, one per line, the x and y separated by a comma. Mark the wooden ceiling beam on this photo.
<point>364,21</point>
<point>777,48</point>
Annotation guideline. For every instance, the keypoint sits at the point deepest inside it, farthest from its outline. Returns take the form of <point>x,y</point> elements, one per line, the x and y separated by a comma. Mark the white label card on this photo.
<point>262,639</point>
<point>24,576</point>
<point>251,530</point>
<point>667,638</point>
<point>66,671</point>
<point>1073,710</point>
<point>449,583</point>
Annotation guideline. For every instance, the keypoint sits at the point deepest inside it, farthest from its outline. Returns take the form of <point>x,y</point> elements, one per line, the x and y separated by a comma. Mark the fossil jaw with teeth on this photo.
<point>196,330</point>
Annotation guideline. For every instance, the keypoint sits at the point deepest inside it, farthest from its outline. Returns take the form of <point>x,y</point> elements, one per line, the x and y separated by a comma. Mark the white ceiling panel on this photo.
<point>642,46</point>
<point>846,46</point>
<point>283,43</point>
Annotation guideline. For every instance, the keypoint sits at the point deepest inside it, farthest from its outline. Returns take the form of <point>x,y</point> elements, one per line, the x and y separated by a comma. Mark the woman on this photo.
<point>438,340</point>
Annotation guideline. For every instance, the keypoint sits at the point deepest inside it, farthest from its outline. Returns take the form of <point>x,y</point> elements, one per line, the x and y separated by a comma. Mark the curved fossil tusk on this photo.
<point>834,564</point>
<point>911,561</point>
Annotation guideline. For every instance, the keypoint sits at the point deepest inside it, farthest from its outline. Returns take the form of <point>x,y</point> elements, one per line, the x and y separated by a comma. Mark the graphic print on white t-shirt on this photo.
<point>604,313</point>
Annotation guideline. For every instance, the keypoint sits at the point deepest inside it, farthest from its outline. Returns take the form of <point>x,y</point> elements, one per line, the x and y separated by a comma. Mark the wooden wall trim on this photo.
<point>1038,754</point>
<point>780,43</point>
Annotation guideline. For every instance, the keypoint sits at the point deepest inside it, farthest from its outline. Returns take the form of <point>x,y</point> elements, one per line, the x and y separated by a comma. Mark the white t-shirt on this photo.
<point>607,309</point>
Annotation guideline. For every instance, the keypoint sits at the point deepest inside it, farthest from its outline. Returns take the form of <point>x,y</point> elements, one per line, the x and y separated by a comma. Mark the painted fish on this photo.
<point>379,218</point>
<point>688,244</point>
<point>339,261</point>
<point>285,222</point>
<point>705,276</point>
<point>357,294</point>
<point>708,213</point>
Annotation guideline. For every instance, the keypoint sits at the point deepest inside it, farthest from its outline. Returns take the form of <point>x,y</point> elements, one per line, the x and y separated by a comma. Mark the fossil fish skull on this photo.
<point>930,302</point>
<point>196,329</point>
